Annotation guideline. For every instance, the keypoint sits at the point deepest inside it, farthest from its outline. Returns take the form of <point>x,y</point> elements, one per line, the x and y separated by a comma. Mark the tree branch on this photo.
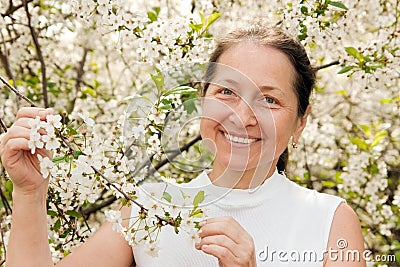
<point>4,247</point>
<point>79,75</point>
<point>116,188</point>
<point>39,54</point>
<point>336,62</point>
<point>96,207</point>
<point>175,154</point>
<point>3,126</point>
<point>5,202</point>
<point>18,93</point>
<point>11,8</point>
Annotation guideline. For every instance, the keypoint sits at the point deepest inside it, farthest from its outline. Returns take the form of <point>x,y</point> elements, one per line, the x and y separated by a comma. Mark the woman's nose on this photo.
<point>242,114</point>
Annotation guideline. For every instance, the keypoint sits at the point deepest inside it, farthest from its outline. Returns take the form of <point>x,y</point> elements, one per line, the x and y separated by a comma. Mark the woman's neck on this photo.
<point>247,179</point>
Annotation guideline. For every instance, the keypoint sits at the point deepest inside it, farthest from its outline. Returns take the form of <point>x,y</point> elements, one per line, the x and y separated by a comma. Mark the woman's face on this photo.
<point>250,108</point>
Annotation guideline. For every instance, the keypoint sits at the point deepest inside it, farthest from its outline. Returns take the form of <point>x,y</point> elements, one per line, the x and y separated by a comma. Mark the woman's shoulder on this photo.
<point>310,197</point>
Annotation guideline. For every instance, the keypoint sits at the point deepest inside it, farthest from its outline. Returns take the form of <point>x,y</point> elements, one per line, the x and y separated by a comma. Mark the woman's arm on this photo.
<point>28,243</point>
<point>105,248</point>
<point>346,243</point>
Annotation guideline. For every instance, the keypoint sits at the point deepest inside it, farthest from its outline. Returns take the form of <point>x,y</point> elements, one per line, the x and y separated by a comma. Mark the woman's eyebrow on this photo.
<point>225,82</point>
<point>267,88</point>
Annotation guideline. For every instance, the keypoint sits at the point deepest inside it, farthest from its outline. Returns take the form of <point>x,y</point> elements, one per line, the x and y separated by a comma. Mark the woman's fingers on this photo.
<point>220,240</point>
<point>13,148</point>
<point>226,239</point>
<point>223,225</point>
<point>15,132</point>
<point>33,112</point>
<point>220,252</point>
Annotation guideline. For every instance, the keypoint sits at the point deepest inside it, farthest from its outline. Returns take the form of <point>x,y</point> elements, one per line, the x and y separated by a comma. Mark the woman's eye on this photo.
<point>270,100</point>
<point>226,91</point>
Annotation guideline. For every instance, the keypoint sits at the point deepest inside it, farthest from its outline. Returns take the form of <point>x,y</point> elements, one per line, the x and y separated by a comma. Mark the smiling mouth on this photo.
<point>240,140</point>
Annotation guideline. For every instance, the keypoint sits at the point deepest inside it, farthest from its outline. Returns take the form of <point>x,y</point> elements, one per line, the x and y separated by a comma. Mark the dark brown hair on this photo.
<point>304,79</point>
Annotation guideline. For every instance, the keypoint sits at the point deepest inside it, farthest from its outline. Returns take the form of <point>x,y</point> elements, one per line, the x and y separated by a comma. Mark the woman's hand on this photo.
<point>21,165</point>
<point>225,238</point>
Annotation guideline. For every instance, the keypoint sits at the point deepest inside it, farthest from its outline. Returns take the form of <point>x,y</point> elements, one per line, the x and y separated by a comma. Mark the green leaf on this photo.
<point>180,90</point>
<point>158,80</point>
<point>71,130</point>
<point>328,184</point>
<point>341,92</point>
<point>212,18</point>
<point>9,186</point>
<point>57,225</point>
<point>366,130</point>
<point>386,101</point>
<point>167,197</point>
<point>198,198</point>
<point>338,177</point>
<point>52,213</point>
<point>378,137</point>
<point>152,16</point>
<point>184,195</point>
<point>157,10</point>
<point>304,10</point>
<point>203,18</point>
<point>73,213</point>
<point>354,53</point>
<point>198,213</point>
<point>196,27</point>
<point>360,143</point>
<point>58,160</point>
<point>166,107</point>
<point>189,106</point>
<point>77,153</point>
<point>89,91</point>
<point>345,69</point>
<point>338,4</point>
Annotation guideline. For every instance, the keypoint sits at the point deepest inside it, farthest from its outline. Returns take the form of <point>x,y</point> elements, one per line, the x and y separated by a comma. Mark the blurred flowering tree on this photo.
<point>86,59</point>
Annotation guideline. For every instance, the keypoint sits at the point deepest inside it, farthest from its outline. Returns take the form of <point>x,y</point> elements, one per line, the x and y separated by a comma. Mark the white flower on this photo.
<point>54,120</point>
<point>46,166</point>
<point>138,131</point>
<point>152,248</point>
<point>35,141</point>
<point>51,141</point>
<point>155,209</point>
<point>35,124</point>
<point>85,117</point>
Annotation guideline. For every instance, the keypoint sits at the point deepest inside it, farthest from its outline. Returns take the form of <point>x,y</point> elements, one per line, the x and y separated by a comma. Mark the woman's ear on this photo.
<point>301,124</point>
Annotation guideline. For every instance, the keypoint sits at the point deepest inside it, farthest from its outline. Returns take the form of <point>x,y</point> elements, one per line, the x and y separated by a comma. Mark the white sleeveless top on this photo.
<point>289,224</point>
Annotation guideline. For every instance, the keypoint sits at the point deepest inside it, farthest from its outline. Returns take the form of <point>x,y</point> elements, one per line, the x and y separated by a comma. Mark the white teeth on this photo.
<point>240,139</point>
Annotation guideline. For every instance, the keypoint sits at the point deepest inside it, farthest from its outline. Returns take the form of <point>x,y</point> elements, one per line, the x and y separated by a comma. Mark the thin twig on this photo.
<point>79,78</point>
<point>116,188</point>
<point>39,54</point>
<point>85,219</point>
<point>5,202</point>
<point>4,246</point>
<point>95,207</point>
<point>175,154</point>
<point>3,126</point>
<point>336,62</point>
<point>4,58</point>
<point>18,93</point>
<point>11,9</point>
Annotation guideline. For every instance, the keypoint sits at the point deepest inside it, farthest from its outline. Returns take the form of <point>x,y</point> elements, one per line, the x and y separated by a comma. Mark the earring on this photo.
<point>294,144</point>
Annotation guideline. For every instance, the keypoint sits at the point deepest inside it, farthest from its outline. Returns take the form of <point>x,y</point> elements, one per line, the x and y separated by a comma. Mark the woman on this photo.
<point>256,101</point>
